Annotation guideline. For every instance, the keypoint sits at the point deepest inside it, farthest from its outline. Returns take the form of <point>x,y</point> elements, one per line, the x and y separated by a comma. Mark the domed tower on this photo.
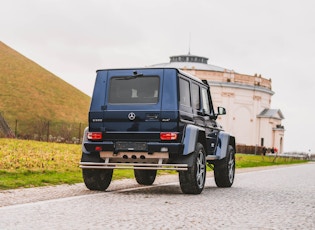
<point>247,99</point>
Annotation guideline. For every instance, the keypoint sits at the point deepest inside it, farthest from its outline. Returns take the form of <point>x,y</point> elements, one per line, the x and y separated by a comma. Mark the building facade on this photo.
<point>247,100</point>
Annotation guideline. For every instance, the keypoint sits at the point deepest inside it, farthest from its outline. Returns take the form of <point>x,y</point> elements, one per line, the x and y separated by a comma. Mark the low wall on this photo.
<point>248,149</point>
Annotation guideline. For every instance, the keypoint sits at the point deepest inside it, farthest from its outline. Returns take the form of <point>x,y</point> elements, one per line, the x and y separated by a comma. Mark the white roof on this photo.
<point>192,65</point>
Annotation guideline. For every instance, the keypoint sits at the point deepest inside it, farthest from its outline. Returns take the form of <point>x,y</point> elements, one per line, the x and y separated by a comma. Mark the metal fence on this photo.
<point>42,130</point>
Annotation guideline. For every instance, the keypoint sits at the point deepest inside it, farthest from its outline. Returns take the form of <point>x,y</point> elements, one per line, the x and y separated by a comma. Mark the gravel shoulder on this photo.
<point>29,195</point>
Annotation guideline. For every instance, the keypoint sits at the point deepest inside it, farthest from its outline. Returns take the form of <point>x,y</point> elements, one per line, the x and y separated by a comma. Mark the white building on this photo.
<point>246,98</point>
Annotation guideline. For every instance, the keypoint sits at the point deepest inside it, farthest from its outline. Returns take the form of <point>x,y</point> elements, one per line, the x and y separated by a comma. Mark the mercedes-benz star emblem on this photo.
<point>131,116</point>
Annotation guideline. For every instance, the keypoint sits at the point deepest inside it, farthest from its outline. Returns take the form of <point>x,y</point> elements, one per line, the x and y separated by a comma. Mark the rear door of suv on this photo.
<point>134,104</point>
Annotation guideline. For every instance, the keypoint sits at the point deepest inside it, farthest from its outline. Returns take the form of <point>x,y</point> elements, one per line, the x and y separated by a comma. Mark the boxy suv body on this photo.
<point>150,119</point>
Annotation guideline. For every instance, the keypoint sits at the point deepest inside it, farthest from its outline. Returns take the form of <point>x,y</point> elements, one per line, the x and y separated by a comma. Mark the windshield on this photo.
<point>126,90</point>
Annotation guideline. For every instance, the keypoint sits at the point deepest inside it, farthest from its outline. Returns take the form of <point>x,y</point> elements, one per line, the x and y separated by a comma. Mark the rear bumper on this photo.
<point>151,147</point>
<point>155,156</point>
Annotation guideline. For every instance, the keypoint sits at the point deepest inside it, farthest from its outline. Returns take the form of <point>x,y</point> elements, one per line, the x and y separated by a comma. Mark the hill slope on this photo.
<point>29,92</point>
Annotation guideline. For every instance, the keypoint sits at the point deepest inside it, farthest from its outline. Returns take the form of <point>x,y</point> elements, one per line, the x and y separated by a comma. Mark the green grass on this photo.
<point>25,163</point>
<point>247,161</point>
<point>28,178</point>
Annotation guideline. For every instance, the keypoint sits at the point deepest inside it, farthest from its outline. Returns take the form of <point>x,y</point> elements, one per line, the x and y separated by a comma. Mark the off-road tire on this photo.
<point>145,177</point>
<point>97,179</point>
<point>193,180</point>
<point>224,170</point>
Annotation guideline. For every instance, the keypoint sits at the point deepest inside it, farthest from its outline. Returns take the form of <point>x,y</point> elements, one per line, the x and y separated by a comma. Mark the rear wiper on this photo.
<point>135,75</point>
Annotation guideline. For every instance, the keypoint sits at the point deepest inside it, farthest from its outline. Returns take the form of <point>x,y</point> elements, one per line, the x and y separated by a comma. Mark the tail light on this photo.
<point>93,136</point>
<point>168,136</point>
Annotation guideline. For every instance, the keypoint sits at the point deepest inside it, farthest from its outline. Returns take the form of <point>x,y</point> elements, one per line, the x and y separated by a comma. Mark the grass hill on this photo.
<point>29,92</point>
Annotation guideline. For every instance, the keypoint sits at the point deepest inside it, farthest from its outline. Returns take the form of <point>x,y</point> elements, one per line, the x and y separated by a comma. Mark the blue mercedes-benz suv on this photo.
<point>150,119</point>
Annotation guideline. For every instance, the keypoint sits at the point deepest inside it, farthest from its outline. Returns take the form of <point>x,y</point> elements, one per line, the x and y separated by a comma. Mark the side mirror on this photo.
<point>221,111</point>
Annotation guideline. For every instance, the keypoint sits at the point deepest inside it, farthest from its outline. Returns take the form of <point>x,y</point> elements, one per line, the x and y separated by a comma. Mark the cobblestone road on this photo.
<point>277,198</point>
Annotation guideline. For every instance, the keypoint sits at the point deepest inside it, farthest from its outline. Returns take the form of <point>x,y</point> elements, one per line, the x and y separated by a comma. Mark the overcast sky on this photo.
<point>274,38</point>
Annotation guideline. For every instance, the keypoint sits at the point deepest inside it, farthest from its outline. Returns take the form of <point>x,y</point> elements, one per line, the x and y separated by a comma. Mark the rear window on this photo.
<point>139,90</point>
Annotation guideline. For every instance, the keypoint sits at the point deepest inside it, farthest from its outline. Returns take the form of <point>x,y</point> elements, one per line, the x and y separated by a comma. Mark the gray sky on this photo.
<point>274,38</point>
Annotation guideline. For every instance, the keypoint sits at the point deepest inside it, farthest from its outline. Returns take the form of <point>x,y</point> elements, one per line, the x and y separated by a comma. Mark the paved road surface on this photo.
<point>277,198</point>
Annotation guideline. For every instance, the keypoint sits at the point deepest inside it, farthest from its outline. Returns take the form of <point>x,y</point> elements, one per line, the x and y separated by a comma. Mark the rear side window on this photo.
<point>184,92</point>
<point>139,90</point>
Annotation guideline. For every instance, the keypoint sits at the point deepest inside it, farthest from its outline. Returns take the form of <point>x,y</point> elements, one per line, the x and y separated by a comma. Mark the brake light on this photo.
<point>94,136</point>
<point>168,136</point>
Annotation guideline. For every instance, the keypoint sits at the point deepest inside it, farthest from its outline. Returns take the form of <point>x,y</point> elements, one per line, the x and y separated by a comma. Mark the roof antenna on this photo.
<point>189,43</point>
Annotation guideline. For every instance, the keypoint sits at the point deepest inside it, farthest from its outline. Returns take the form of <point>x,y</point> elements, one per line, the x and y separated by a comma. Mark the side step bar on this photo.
<point>143,166</point>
